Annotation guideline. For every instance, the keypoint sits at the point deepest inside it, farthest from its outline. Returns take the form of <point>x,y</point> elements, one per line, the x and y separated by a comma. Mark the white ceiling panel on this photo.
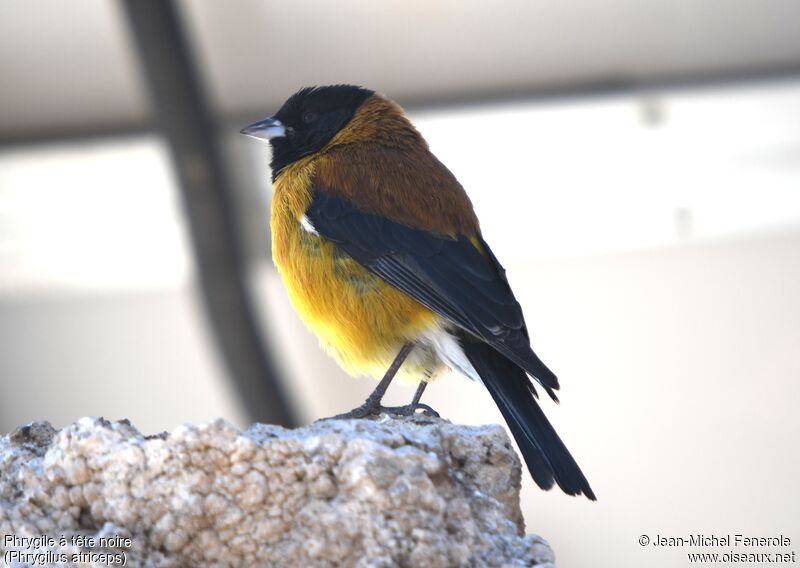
<point>256,52</point>
<point>71,65</point>
<point>66,65</point>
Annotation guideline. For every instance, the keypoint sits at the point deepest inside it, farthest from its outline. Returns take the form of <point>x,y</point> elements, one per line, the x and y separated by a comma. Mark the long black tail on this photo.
<point>548,459</point>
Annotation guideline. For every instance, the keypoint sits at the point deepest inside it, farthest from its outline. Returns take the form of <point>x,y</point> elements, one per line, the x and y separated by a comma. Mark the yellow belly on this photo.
<point>360,319</point>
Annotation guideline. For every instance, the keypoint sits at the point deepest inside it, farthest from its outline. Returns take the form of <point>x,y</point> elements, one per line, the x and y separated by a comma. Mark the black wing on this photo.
<point>448,275</point>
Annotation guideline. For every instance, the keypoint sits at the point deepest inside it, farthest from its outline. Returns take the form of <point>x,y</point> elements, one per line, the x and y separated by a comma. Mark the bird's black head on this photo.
<point>307,121</point>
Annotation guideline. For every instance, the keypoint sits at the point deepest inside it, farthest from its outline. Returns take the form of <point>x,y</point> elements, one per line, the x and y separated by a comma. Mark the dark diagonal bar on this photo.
<point>183,116</point>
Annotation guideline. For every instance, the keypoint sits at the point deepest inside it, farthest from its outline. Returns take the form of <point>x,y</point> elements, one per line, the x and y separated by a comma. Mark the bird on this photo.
<point>383,258</point>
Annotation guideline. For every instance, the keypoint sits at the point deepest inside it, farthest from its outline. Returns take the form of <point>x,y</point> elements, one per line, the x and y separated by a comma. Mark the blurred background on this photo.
<point>635,164</point>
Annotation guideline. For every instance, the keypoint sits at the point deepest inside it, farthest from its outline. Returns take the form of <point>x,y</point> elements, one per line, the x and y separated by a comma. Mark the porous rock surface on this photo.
<point>417,492</point>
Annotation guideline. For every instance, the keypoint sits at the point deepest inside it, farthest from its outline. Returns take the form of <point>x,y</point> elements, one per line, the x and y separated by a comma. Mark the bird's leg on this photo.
<point>420,390</point>
<point>415,405</point>
<point>373,403</point>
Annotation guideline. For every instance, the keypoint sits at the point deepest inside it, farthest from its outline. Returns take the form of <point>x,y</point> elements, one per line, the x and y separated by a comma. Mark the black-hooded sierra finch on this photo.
<point>382,254</point>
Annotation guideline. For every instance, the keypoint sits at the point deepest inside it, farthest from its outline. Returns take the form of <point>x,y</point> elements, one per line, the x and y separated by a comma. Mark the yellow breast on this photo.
<point>358,317</point>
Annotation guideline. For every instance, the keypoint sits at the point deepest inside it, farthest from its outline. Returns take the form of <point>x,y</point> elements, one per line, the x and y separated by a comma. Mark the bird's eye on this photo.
<point>310,116</point>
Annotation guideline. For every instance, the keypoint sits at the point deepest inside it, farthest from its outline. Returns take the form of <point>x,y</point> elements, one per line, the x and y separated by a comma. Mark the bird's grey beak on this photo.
<point>266,129</point>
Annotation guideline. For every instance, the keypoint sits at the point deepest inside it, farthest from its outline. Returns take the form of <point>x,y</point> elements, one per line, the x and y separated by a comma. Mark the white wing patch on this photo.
<point>305,222</point>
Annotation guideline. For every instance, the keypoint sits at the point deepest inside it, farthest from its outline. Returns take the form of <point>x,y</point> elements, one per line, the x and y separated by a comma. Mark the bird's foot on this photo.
<point>364,411</point>
<point>367,410</point>
<point>410,409</point>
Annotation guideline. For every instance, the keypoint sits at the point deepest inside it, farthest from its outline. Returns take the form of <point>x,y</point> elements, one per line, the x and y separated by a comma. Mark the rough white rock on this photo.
<point>363,493</point>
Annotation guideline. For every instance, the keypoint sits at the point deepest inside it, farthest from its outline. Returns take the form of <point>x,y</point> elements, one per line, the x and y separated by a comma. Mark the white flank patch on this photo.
<point>449,351</point>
